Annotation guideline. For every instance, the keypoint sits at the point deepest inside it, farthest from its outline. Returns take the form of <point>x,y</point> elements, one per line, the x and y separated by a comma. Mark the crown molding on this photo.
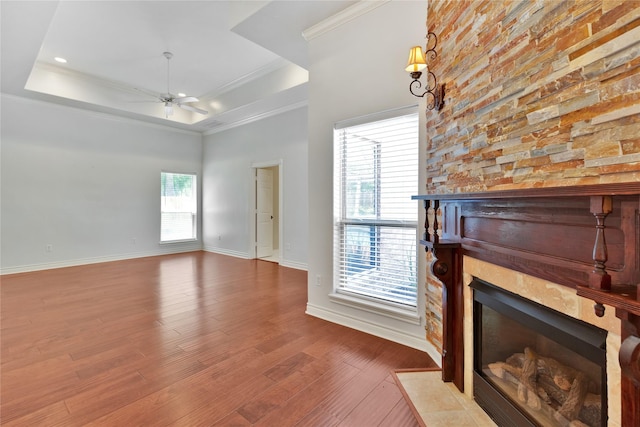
<point>341,18</point>
<point>103,113</point>
<point>243,80</point>
<point>255,118</point>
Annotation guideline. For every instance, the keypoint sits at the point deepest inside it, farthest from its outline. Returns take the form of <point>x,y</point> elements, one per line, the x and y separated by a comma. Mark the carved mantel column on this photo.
<point>629,358</point>
<point>600,279</point>
<point>630,349</point>
<point>447,267</point>
<point>624,297</point>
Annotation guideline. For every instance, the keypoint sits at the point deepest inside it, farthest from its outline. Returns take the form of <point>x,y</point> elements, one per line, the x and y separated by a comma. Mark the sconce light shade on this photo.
<point>417,61</point>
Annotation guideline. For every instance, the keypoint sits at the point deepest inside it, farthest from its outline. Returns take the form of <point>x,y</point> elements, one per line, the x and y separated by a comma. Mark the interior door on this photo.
<point>264,213</point>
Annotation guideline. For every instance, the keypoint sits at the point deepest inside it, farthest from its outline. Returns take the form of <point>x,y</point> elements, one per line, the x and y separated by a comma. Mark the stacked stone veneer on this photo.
<point>538,93</point>
<point>433,312</point>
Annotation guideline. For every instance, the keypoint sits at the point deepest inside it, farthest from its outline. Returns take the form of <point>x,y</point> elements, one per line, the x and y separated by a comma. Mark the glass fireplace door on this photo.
<point>535,360</point>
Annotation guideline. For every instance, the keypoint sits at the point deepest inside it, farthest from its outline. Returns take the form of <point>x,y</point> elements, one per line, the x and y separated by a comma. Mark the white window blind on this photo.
<point>375,220</point>
<point>178,207</point>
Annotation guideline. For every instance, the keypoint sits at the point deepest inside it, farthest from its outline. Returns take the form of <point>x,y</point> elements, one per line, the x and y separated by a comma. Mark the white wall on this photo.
<point>228,185</point>
<point>355,70</point>
<point>86,183</point>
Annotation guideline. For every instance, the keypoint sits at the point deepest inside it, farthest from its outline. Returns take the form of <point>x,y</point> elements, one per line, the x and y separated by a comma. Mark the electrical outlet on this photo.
<point>318,280</point>
<point>287,246</point>
<point>48,248</point>
<point>134,241</point>
<point>219,237</point>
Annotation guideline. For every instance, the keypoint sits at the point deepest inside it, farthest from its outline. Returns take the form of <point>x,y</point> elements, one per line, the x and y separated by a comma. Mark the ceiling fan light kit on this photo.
<point>168,109</point>
<point>169,100</point>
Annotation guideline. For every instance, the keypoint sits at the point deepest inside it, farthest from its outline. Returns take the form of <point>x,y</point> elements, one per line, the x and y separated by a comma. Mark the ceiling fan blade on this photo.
<point>148,92</point>
<point>192,108</point>
<point>184,99</point>
<point>168,99</point>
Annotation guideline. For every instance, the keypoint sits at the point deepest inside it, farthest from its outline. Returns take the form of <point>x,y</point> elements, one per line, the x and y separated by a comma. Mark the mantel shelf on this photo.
<point>555,233</point>
<point>622,297</point>
<point>619,189</point>
<point>440,244</point>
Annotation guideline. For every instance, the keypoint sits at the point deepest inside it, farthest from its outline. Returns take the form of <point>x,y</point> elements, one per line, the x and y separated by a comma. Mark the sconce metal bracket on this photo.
<point>434,91</point>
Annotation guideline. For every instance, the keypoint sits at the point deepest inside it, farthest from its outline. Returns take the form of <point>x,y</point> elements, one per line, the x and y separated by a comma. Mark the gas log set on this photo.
<point>545,385</point>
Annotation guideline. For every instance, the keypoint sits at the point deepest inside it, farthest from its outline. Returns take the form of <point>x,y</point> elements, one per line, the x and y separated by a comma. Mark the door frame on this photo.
<point>253,208</point>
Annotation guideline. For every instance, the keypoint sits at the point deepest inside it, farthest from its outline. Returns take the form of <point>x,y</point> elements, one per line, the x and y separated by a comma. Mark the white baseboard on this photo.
<point>165,250</point>
<point>400,337</point>
<point>222,251</point>
<point>294,264</point>
<point>245,255</point>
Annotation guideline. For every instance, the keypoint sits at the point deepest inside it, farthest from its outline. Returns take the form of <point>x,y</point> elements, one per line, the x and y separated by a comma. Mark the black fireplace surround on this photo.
<point>534,366</point>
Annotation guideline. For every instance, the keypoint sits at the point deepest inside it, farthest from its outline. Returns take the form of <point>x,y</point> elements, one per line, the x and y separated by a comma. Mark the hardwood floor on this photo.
<point>188,340</point>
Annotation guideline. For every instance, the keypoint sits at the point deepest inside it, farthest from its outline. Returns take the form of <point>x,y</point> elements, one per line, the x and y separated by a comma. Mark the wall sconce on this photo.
<point>418,62</point>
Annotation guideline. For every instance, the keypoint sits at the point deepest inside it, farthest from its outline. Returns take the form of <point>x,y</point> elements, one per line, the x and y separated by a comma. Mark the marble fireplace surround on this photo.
<point>573,249</point>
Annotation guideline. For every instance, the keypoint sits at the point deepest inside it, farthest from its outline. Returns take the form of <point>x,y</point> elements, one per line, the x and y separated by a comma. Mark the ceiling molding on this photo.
<point>101,94</point>
<point>89,78</point>
<point>103,113</point>
<point>243,80</point>
<point>257,117</point>
<point>341,18</point>
<point>124,83</point>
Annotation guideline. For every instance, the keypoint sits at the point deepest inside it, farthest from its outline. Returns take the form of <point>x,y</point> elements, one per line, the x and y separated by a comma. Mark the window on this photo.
<point>375,220</point>
<point>178,207</point>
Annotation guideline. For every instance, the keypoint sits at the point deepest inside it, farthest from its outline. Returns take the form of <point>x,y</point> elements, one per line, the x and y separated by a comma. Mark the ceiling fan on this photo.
<point>169,99</point>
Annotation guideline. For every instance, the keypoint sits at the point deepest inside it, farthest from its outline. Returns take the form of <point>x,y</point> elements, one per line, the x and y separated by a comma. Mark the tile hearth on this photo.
<point>440,404</point>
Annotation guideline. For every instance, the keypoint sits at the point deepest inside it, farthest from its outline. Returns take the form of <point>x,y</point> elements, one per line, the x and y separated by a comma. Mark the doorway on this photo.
<point>267,207</point>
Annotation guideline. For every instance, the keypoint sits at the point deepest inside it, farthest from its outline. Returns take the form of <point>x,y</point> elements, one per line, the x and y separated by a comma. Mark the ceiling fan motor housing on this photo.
<point>169,99</point>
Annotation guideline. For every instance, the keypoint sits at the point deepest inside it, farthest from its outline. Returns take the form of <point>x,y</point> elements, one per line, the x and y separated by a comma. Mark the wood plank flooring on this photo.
<point>196,339</point>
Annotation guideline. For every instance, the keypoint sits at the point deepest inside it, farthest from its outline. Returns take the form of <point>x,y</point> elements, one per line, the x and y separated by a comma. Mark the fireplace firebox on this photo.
<point>534,366</point>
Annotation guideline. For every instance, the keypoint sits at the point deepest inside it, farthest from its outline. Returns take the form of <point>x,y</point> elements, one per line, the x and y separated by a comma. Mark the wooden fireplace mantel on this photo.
<point>583,237</point>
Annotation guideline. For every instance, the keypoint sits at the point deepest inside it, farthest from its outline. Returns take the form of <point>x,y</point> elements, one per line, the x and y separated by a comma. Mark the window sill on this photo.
<point>168,242</point>
<point>404,315</point>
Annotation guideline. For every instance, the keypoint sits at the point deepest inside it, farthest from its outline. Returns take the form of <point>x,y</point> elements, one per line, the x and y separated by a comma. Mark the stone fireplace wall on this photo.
<point>538,93</point>
<point>557,297</point>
